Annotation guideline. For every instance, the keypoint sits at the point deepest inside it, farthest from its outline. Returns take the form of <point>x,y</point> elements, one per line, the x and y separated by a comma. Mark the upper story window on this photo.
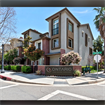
<point>90,51</point>
<point>55,43</point>
<point>26,35</point>
<point>39,45</point>
<point>55,26</point>
<point>70,27</point>
<point>86,40</point>
<point>70,43</point>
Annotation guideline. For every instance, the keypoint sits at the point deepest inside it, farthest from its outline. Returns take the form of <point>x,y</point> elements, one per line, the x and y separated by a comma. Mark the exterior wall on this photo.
<point>54,60</point>
<point>34,35</point>
<point>6,48</point>
<point>83,50</point>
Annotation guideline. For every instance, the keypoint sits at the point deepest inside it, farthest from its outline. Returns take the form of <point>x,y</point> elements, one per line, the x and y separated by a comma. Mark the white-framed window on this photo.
<point>55,26</point>
<point>55,43</point>
<point>70,27</point>
<point>70,43</point>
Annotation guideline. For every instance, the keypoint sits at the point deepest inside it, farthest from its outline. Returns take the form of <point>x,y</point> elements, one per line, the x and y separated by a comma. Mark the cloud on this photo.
<point>86,11</point>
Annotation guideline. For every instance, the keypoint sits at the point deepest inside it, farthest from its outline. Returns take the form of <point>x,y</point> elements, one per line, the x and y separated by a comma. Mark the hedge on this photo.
<point>0,66</point>
<point>15,68</point>
<point>26,69</point>
<point>8,67</point>
<point>91,67</point>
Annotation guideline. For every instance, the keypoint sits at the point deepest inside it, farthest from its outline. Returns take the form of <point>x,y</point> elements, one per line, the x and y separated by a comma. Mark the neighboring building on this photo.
<point>17,43</point>
<point>7,47</point>
<point>66,34</point>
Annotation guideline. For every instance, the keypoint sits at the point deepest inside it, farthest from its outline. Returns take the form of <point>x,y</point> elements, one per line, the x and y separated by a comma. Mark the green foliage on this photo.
<point>94,71</point>
<point>32,53</point>
<point>10,55</point>
<point>26,41</point>
<point>76,73</point>
<point>8,67</point>
<point>15,68</point>
<point>26,69</point>
<point>91,67</point>
<point>0,66</point>
<point>100,11</point>
<point>98,44</point>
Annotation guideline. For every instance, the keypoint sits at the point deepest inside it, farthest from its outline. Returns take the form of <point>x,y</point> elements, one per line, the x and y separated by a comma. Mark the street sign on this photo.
<point>97,58</point>
<point>97,52</point>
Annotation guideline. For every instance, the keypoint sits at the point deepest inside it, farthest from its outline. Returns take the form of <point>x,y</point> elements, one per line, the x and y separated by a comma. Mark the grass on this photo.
<point>94,71</point>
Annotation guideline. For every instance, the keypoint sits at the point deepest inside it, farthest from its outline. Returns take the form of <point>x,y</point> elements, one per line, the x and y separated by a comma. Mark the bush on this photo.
<point>26,69</point>
<point>0,66</point>
<point>8,67</point>
<point>15,68</point>
<point>77,73</point>
<point>91,67</point>
<point>38,72</point>
<point>70,57</point>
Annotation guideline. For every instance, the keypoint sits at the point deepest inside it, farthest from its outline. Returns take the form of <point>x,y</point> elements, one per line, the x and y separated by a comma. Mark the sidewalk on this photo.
<point>52,80</point>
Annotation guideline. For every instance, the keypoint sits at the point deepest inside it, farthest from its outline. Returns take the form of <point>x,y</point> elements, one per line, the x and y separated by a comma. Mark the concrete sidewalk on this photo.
<point>52,80</point>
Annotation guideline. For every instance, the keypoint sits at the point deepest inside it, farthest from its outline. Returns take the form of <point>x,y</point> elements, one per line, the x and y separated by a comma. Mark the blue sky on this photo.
<point>34,17</point>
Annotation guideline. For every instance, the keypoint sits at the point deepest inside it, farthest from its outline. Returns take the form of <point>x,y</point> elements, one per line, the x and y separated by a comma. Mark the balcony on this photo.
<point>56,31</point>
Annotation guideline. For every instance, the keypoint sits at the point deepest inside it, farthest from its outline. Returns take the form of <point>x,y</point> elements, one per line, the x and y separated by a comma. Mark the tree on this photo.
<point>98,44</point>
<point>100,11</point>
<point>99,22</point>
<point>7,23</point>
<point>10,55</point>
<point>70,57</point>
<point>27,41</point>
<point>32,53</point>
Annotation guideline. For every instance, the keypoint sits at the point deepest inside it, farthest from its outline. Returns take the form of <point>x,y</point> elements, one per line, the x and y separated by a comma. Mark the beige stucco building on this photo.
<point>65,34</point>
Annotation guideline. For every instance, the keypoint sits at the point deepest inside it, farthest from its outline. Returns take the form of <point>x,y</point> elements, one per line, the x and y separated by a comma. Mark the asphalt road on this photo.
<point>20,91</point>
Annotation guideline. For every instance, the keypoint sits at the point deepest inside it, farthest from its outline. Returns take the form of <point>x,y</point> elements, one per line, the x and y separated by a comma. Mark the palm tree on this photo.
<point>100,11</point>
<point>99,22</point>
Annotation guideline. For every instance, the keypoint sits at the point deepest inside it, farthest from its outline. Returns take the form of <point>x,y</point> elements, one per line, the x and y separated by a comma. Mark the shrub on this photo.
<point>26,69</point>
<point>70,57</point>
<point>0,66</point>
<point>15,68</point>
<point>8,67</point>
<point>17,60</point>
<point>91,67</point>
<point>77,73</point>
<point>38,72</point>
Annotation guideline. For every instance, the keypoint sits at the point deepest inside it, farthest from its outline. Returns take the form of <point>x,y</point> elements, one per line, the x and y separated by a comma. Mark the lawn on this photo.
<point>94,71</point>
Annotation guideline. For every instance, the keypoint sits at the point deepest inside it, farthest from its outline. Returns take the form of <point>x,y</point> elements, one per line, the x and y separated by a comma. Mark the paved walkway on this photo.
<point>52,80</point>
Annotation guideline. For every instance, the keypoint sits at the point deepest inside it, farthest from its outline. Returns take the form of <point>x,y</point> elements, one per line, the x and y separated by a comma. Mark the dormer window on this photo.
<point>55,26</point>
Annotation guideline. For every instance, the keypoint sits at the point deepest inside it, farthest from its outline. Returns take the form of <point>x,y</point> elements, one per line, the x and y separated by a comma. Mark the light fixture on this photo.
<point>82,33</point>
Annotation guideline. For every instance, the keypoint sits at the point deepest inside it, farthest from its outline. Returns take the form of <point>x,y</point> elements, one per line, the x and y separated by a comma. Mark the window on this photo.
<point>55,26</point>
<point>55,43</point>
<point>70,43</point>
<point>86,39</point>
<point>39,45</point>
<point>90,51</point>
<point>70,27</point>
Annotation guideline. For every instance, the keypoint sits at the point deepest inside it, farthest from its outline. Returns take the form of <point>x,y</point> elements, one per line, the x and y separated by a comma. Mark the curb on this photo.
<point>14,80</point>
<point>96,81</point>
<point>5,78</point>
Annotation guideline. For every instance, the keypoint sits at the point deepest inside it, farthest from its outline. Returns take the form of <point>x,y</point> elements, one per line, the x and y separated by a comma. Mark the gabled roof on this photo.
<point>31,30</point>
<point>89,29</point>
<point>65,9</point>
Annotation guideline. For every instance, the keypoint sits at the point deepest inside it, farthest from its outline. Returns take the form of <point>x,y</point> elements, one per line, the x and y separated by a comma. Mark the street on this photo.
<point>22,91</point>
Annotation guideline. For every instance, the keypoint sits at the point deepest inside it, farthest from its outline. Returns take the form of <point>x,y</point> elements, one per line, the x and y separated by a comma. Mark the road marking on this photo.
<point>8,86</point>
<point>66,93</point>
